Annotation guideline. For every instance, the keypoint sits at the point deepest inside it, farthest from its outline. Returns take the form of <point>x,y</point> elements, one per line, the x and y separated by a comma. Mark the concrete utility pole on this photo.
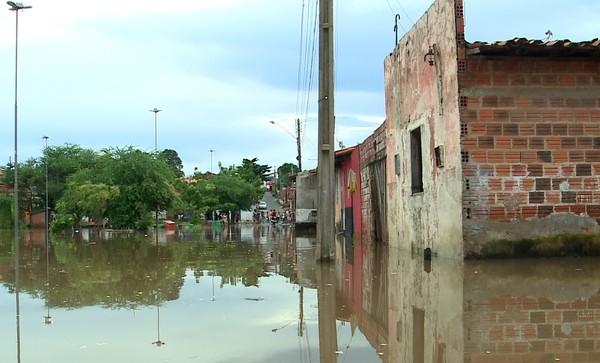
<point>156,111</point>
<point>299,144</point>
<point>326,173</point>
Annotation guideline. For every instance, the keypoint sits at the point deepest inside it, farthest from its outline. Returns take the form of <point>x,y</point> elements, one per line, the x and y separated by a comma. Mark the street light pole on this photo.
<point>156,111</point>
<point>211,163</point>
<point>46,206</point>
<point>296,137</point>
<point>16,7</point>
<point>47,318</point>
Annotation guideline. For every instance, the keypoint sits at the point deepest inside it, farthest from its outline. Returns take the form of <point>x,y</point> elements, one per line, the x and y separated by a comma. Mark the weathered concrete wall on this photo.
<point>531,145</point>
<point>371,150</point>
<point>426,96</point>
<point>306,197</point>
<point>541,311</point>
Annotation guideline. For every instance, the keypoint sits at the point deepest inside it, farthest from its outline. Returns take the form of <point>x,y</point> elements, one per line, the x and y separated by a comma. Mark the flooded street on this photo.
<point>255,294</point>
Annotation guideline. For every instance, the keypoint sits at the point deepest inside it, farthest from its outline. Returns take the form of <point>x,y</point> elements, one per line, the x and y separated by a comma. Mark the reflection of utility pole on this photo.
<point>301,314</point>
<point>327,313</point>
<point>326,174</point>
<point>158,342</point>
<point>213,287</point>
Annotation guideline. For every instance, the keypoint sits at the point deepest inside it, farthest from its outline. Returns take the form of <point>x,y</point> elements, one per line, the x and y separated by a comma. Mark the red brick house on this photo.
<point>530,135</point>
<point>489,141</point>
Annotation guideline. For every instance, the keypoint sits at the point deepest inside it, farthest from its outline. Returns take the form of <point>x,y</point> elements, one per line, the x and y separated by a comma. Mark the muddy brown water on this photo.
<point>256,294</point>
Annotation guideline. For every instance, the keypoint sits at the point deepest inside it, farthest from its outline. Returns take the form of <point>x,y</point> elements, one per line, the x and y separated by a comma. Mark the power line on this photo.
<point>300,59</point>
<point>393,12</point>
<point>405,13</point>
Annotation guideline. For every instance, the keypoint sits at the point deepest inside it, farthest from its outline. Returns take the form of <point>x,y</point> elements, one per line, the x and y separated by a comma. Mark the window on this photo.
<point>397,164</point>
<point>416,161</point>
<point>439,156</point>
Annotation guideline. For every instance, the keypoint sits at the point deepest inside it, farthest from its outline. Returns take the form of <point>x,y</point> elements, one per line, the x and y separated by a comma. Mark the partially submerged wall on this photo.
<point>423,99</point>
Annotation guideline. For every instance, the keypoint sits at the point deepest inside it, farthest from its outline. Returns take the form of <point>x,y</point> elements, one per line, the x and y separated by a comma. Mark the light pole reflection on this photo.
<point>158,342</point>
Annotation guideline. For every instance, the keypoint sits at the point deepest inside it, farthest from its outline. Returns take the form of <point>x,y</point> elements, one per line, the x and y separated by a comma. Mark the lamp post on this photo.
<point>46,205</point>
<point>156,111</point>
<point>47,318</point>
<point>16,7</point>
<point>296,137</point>
<point>211,164</point>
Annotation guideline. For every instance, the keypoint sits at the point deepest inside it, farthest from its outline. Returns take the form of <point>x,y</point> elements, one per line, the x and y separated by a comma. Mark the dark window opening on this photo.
<point>427,260</point>
<point>439,156</point>
<point>416,161</point>
<point>397,164</point>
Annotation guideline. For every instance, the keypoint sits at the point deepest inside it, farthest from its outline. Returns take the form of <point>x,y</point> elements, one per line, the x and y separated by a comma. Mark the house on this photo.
<point>489,141</point>
<point>347,191</point>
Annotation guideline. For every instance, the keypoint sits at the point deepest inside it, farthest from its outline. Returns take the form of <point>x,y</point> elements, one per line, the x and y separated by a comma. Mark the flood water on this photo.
<point>256,294</point>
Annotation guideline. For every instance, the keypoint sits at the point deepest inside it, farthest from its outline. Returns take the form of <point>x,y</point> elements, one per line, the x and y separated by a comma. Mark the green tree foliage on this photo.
<point>88,199</point>
<point>63,161</point>
<point>224,191</point>
<point>172,159</point>
<point>251,169</point>
<point>125,185</point>
<point>284,172</point>
<point>6,216</point>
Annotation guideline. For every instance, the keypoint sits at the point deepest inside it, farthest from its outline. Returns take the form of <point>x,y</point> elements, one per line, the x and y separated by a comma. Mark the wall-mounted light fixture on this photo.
<point>430,56</point>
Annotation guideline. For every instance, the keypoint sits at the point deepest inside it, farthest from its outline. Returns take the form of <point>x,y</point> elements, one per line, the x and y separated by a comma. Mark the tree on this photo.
<point>93,199</point>
<point>251,169</point>
<point>284,172</point>
<point>172,159</point>
<point>125,185</point>
<point>146,184</point>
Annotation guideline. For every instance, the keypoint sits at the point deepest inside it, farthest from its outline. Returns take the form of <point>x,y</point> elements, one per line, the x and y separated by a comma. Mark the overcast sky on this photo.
<point>220,69</point>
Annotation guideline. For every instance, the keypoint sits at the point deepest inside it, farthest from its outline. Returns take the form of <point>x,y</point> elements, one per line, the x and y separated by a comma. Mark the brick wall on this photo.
<point>546,311</point>
<point>372,149</point>
<point>530,131</point>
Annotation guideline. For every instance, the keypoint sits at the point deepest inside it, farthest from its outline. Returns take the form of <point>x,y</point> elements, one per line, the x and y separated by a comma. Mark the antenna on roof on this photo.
<point>548,34</point>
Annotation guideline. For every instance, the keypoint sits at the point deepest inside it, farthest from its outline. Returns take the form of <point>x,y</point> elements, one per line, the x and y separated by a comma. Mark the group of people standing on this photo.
<point>272,216</point>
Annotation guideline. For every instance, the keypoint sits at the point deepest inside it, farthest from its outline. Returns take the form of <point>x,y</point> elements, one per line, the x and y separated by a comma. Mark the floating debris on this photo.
<point>254,298</point>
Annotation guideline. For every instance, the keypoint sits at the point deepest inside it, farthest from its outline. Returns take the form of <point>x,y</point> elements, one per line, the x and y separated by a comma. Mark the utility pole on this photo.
<point>326,173</point>
<point>299,145</point>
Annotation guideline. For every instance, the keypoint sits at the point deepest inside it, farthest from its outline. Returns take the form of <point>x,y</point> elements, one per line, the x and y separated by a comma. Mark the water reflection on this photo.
<point>235,294</point>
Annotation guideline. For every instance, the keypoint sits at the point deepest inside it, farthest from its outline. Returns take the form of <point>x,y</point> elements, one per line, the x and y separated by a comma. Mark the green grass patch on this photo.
<point>561,245</point>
